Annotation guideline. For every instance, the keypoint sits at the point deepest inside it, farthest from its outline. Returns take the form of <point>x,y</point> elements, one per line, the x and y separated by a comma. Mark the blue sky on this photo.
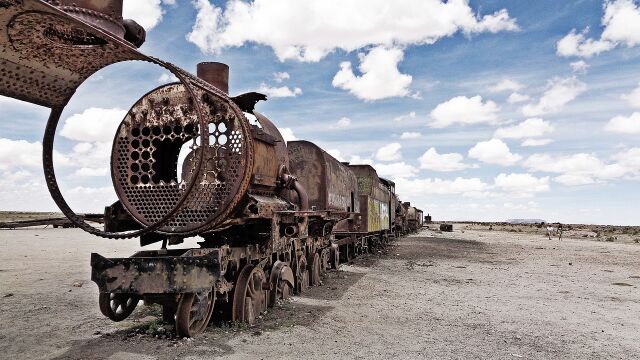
<point>357,79</point>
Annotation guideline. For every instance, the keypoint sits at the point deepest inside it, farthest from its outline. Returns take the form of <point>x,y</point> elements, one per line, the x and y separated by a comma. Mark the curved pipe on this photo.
<point>291,182</point>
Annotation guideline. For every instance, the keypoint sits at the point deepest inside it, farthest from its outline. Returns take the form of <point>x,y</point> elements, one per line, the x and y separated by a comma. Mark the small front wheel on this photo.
<point>117,307</point>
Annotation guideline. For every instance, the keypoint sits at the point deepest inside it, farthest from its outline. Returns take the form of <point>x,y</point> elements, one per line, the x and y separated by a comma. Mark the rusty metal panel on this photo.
<point>45,54</point>
<point>153,272</point>
<point>330,184</point>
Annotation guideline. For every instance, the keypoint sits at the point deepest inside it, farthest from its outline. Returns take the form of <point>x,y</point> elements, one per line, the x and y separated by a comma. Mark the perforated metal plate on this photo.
<point>145,158</point>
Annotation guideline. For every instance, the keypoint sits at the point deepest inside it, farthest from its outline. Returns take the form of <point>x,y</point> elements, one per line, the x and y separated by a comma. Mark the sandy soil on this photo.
<point>466,294</point>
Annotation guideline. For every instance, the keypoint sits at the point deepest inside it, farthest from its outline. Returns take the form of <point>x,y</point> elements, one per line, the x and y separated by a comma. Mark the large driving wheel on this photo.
<point>314,269</point>
<point>117,307</point>
<point>194,312</point>
<point>302,275</point>
<point>282,280</point>
<point>249,297</point>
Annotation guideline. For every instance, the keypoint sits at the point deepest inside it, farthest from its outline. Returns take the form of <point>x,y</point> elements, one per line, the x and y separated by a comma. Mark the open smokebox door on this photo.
<point>47,52</point>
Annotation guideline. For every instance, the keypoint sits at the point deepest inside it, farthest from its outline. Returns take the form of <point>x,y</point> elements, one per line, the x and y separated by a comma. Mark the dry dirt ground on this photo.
<point>462,295</point>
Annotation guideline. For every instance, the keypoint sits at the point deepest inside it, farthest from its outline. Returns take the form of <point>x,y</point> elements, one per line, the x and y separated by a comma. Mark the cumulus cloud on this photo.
<point>431,160</point>
<point>579,66</point>
<point>536,142</point>
<point>530,128</point>
<point>576,44</point>
<point>582,168</point>
<point>516,97</point>
<point>309,30</point>
<point>337,154</point>
<point>287,134</point>
<point>420,187</point>
<point>506,85</point>
<point>380,77</point>
<point>521,183</point>
<point>396,170</point>
<point>147,13</point>
<point>16,155</point>
<point>494,151</point>
<point>409,116</point>
<point>621,22</point>
<point>279,92</point>
<point>464,110</point>
<point>390,152</point>
<point>633,98</point>
<point>93,124</point>
<point>280,76</point>
<point>560,91</point>
<point>343,123</point>
<point>624,124</point>
<point>410,135</point>
<point>167,77</point>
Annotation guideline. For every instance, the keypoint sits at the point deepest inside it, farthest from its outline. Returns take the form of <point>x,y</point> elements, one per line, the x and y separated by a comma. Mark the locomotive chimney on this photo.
<point>216,74</point>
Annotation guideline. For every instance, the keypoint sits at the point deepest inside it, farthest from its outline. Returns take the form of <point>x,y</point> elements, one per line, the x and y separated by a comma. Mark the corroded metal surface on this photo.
<point>154,272</point>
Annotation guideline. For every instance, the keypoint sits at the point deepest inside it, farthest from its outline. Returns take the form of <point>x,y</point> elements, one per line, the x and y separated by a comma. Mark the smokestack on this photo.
<point>216,74</point>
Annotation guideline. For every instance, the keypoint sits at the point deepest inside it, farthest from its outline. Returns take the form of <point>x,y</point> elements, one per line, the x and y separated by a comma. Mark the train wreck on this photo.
<point>272,216</point>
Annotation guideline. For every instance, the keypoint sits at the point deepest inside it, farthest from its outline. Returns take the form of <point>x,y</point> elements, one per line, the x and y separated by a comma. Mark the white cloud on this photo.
<point>530,128</point>
<point>633,98</point>
<point>390,152</point>
<point>147,13</point>
<point>464,110</point>
<point>494,151</point>
<point>535,142</point>
<point>343,123</point>
<point>357,160</point>
<point>167,78</point>
<point>575,44</point>
<point>396,170</point>
<point>93,124</point>
<point>287,134</point>
<point>431,160</point>
<point>574,179</point>
<point>21,154</point>
<point>277,92</point>
<point>506,85</point>
<point>560,91</point>
<point>579,66</point>
<point>280,76</point>
<point>409,116</point>
<point>624,125</point>
<point>380,77</point>
<point>516,97</point>
<point>309,30</point>
<point>521,183</point>
<point>409,188</point>
<point>410,135</point>
<point>582,168</point>
<point>336,154</point>
<point>621,22</point>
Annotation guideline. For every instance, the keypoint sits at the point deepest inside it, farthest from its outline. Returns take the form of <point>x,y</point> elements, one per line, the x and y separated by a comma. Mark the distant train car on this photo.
<point>374,199</point>
<point>393,203</point>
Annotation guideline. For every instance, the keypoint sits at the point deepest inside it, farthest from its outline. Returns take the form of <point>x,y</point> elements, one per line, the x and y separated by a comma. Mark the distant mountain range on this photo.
<point>525,221</point>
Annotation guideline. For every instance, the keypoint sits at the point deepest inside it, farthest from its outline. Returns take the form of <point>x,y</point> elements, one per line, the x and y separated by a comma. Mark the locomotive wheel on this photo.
<point>334,257</point>
<point>324,259</point>
<point>314,270</point>
<point>302,275</point>
<point>194,312</point>
<point>281,279</point>
<point>117,307</point>
<point>249,297</point>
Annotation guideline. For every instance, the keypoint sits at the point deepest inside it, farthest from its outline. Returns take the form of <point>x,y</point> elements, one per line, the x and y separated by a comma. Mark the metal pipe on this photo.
<point>215,73</point>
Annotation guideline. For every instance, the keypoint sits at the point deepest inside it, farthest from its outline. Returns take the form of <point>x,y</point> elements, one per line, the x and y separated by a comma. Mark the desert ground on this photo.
<point>473,293</point>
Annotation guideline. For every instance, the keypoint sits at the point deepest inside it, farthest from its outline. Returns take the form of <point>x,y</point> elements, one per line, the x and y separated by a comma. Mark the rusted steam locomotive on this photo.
<point>272,216</point>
